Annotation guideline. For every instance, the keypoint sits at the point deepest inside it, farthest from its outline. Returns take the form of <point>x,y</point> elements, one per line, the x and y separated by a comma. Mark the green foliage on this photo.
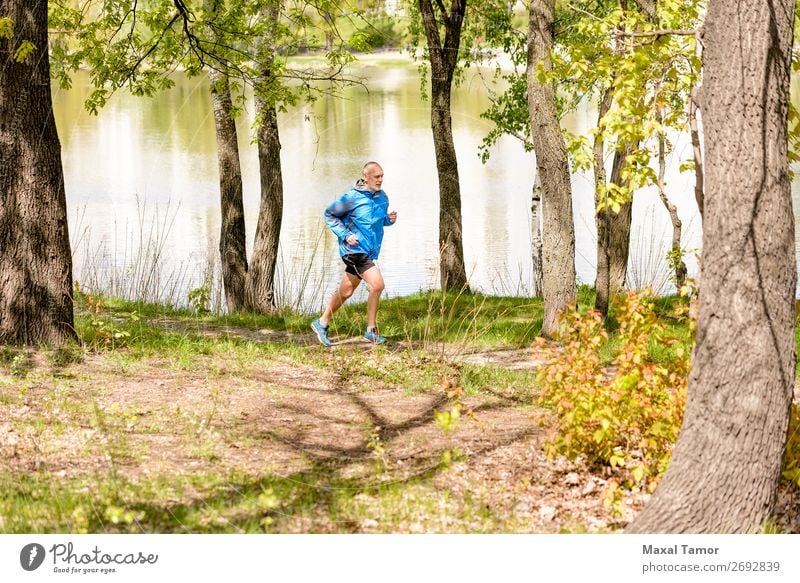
<point>25,48</point>
<point>199,299</point>
<point>594,55</point>
<point>447,419</point>
<point>675,259</point>
<point>376,34</point>
<point>480,33</point>
<point>20,365</point>
<point>139,45</point>
<point>794,129</point>
<point>627,415</point>
<point>6,28</point>
<point>104,331</point>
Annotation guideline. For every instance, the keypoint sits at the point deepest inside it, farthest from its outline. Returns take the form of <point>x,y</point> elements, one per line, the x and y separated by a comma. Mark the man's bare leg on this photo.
<point>374,280</point>
<point>347,286</point>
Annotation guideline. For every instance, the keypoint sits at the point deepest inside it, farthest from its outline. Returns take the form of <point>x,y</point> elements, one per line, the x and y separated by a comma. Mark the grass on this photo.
<point>233,502</point>
<point>169,420</point>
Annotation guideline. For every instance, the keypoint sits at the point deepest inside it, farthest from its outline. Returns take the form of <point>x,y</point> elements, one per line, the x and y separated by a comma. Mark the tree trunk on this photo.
<point>614,229</point>
<point>232,240</point>
<point>330,21</point>
<point>558,229</point>
<point>648,7</point>
<point>675,250</point>
<point>35,258</point>
<point>444,58</point>
<point>261,276</point>
<point>453,274</point>
<point>536,238</point>
<point>232,237</point>
<point>698,154</point>
<point>619,229</point>
<point>601,282</point>
<point>725,466</point>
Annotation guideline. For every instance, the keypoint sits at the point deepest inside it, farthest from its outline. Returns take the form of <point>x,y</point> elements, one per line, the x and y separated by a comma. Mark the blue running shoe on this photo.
<point>321,332</point>
<point>372,336</point>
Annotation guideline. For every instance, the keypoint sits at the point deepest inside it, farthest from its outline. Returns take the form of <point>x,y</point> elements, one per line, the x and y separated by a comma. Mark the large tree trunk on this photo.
<point>444,58</point>
<point>35,258</point>
<point>725,467</point>
<point>558,273</point>
<point>232,240</point>
<point>261,276</point>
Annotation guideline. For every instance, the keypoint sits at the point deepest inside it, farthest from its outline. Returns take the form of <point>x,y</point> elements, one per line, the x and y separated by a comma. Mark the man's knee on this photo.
<point>377,286</point>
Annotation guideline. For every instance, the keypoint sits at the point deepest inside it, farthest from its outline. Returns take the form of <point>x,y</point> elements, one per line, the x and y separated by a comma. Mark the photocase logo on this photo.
<point>31,556</point>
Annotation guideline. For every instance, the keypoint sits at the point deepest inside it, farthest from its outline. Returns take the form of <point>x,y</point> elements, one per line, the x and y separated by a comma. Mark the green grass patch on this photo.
<point>316,500</point>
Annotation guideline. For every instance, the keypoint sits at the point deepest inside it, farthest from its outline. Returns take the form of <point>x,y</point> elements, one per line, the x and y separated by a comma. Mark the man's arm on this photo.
<point>334,214</point>
<point>390,217</point>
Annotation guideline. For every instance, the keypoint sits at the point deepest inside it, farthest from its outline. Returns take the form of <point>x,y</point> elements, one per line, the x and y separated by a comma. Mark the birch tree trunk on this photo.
<point>536,238</point>
<point>677,226</point>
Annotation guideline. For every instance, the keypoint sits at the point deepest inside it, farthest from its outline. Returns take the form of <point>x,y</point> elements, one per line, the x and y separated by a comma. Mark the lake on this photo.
<point>143,196</point>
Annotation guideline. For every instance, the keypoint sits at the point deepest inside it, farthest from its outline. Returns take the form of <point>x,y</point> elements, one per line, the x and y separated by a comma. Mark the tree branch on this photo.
<point>657,33</point>
<point>132,73</point>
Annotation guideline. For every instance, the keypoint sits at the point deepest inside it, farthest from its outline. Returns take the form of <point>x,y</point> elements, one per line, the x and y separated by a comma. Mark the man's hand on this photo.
<point>351,240</point>
<point>393,216</point>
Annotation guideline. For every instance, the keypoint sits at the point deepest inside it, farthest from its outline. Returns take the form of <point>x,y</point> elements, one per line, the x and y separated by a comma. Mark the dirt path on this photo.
<point>314,427</point>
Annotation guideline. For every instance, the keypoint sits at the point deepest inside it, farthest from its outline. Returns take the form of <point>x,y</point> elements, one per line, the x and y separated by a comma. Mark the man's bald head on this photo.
<point>372,173</point>
<point>370,167</point>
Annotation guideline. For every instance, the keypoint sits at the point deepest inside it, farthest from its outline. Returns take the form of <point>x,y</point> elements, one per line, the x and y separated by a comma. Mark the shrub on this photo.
<point>626,415</point>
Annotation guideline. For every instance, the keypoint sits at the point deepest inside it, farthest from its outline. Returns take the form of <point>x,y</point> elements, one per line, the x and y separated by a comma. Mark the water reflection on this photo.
<point>142,158</point>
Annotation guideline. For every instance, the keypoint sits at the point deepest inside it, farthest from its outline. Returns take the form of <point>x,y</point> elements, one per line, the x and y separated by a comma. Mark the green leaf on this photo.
<point>26,47</point>
<point>6,28</point>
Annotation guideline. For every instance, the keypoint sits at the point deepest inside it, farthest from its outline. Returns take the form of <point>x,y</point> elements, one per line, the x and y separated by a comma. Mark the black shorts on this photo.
<point>357,263</point>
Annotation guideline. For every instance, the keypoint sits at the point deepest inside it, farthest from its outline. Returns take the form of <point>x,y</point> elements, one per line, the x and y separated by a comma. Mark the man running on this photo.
<point>358,218</point>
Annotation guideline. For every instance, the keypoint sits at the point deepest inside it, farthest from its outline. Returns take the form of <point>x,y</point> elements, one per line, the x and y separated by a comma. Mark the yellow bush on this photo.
<point>626,415</point>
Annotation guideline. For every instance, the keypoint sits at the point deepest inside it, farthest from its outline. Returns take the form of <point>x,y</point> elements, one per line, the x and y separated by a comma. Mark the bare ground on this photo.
<point>291,420</point>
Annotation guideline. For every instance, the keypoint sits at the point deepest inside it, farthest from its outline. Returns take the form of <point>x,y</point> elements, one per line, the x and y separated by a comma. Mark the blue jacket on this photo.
<point>362,213</point>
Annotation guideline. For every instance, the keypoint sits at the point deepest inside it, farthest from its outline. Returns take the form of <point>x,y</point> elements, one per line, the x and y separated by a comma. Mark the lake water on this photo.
<point>143,197</point>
